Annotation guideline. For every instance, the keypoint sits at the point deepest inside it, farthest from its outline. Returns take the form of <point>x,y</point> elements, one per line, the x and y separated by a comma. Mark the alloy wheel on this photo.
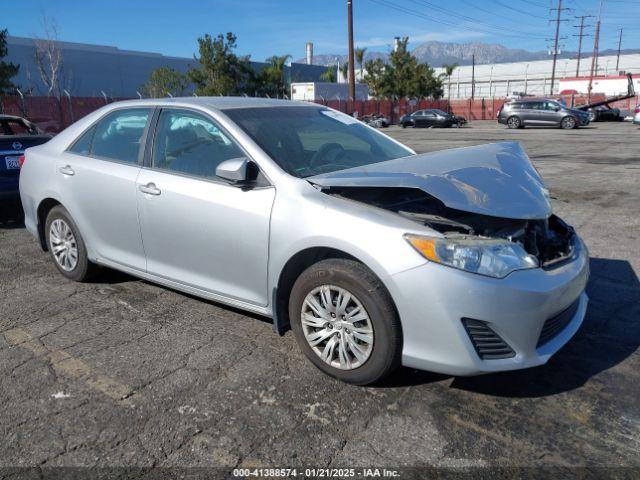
<point>337,327</point>
<point>63,245</point>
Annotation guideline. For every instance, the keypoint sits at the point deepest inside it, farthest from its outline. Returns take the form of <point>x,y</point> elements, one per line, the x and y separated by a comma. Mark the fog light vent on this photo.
<point>553,326</point>
<point>487,343</point>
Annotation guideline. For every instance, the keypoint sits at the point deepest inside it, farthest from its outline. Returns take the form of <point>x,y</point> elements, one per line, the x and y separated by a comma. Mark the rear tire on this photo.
<point>372,345</point>
<point>568,123</point>
<point>66,246</point>
<point>514,122</point>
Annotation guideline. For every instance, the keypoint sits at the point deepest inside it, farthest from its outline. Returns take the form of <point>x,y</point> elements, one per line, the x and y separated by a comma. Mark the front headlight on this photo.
<point>494,258</point>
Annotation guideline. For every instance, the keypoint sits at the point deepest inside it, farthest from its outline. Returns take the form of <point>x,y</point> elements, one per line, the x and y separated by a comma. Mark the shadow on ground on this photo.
<point>11,214</point>
<point>610,334</point>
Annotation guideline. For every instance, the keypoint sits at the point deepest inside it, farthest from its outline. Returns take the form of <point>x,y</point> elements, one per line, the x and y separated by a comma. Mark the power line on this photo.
<point>463,17</point>
<point>522,12</point>
<point>415,13</point>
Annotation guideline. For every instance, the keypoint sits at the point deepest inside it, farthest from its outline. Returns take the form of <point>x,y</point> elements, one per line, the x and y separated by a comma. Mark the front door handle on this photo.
<point>150,189</point>
<point>66,170</point>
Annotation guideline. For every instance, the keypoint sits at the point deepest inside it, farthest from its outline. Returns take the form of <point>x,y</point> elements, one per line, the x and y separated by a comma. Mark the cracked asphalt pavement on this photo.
<point>121,372</point>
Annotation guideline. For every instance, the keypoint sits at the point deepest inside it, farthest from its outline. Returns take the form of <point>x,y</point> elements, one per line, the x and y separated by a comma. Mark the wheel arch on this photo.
<point>292,269</point>
<point>44,207</point>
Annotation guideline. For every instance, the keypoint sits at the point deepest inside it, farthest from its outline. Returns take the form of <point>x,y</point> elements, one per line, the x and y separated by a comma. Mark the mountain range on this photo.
<point>437,54</point>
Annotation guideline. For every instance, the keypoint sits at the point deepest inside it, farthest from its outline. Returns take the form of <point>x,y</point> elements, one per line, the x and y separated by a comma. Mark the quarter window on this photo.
<point>118,135</point>
<point>191,143</point>
<point>82,146</point>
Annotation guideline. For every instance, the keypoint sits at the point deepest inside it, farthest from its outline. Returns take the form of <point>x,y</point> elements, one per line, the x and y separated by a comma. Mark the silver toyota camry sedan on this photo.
<point>373,255</point>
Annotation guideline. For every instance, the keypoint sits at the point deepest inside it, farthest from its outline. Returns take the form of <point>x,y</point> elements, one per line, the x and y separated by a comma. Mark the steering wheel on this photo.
<point>329,152</point>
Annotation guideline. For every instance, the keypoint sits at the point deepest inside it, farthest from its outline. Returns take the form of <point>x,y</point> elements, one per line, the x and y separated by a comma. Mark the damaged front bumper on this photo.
<point>435,301</point>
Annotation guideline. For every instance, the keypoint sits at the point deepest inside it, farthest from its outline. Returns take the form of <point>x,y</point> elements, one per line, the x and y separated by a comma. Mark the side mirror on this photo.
<point>235,170</point>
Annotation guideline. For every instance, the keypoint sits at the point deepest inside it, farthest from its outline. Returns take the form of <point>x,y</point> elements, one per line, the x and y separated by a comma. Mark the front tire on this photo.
<point>345,322</point>
<point>514,122</point>
<point>66,246</point>
<point>568,123</point>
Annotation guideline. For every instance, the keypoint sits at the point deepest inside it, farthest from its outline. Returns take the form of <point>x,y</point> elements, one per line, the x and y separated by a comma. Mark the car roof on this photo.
<point>218,103</point>
<point>532,100</point>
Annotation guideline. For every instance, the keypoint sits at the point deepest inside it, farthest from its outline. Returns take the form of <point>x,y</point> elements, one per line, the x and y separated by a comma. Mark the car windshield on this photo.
<point>440,112</point>
<point>307,141</point>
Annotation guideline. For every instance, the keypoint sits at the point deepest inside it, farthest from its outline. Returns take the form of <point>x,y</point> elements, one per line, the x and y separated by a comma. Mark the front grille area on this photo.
<point>487,343</point>
<point>556,324</point>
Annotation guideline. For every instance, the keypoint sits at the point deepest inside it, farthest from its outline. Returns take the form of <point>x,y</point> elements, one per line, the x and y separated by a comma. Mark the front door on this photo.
<point>198,230</point>
<point>97,180</point>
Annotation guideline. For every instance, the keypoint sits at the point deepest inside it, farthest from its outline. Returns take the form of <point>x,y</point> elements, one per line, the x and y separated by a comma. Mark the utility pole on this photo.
<point>580,36</point>
<point>594,59</point>
<point>555,52</point>
<point>352,69</point>
<point>473,76</point>
<point>618,57</point>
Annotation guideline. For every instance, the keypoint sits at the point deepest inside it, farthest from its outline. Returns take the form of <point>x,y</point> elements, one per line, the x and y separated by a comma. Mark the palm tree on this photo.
<point>448,71</point>
<point>275,73</point>
<point>344,70</point>
<point>329,75</point>
<point>359,52</point>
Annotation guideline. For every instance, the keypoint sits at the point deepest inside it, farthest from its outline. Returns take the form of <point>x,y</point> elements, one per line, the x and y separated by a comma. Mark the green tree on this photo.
<point>221,71</point>
<point>359,53</point>
<point>271,80</point>
<point>448,71</point>
<point>344,71</point>
<point>376,78</point>
<point>7,70</point>
<point>165,81</point>
<point>402,76</point>
<point>329,75</point>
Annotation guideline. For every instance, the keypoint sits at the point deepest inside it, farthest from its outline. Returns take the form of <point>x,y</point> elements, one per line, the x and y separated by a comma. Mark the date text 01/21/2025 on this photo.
<point>316,472</point>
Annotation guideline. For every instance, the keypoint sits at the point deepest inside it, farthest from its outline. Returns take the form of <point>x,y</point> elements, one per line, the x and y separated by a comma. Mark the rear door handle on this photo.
<point>150,189</point>
<point>67,170</point>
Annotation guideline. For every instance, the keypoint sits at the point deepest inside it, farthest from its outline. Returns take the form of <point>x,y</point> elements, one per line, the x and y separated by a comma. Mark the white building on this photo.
<point>324,91</point>
<point>504,79</point>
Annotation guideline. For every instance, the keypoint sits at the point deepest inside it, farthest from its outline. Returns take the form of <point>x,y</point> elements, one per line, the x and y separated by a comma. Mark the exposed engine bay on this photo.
<point>550,240</point>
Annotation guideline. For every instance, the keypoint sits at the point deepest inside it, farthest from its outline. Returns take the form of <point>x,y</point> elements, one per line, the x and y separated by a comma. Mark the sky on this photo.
<point>266,28</point>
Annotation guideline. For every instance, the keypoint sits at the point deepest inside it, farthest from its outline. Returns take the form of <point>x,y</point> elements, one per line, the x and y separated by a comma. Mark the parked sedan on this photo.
<point>429,118</point>
<point>16,134</point>
<point>375,256</point>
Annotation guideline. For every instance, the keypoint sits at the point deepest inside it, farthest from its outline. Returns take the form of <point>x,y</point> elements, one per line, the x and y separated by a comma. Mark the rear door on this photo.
<point>532,113</point>
<point>97,179</point>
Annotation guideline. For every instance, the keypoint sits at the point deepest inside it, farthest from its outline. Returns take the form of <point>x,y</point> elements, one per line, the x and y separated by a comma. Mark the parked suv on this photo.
<point>524,113</point>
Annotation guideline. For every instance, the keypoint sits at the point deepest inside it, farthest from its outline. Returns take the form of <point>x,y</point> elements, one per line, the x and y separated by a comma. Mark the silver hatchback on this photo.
<point>374,256</point>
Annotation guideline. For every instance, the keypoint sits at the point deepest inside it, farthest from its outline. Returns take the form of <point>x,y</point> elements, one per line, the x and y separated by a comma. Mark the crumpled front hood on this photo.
<point>497,179</point>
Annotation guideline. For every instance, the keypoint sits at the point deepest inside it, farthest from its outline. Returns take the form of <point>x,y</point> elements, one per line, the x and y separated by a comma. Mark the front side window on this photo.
<point>190,143</point>
<point>306,141</point>
<point>118,135</point>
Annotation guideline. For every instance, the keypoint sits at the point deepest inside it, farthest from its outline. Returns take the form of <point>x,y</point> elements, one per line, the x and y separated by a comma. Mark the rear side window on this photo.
<point>82,146</point>
<point>118,135</point>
